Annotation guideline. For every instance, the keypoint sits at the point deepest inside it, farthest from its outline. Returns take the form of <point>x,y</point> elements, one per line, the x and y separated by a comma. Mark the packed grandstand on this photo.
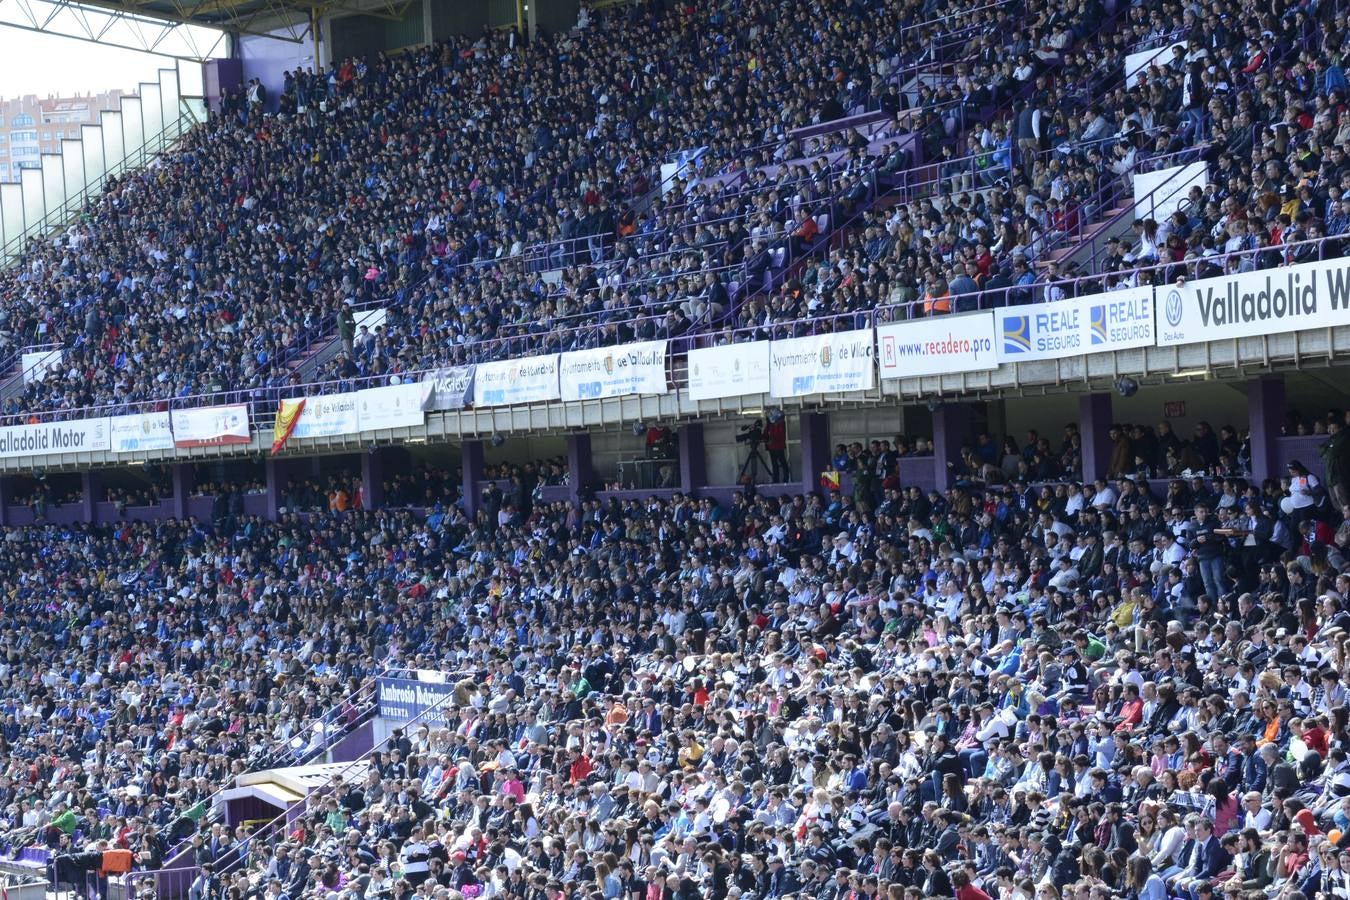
<point>1105,665</point>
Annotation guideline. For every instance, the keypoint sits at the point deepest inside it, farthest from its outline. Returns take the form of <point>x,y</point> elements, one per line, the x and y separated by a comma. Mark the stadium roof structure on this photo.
<point>194,30</point>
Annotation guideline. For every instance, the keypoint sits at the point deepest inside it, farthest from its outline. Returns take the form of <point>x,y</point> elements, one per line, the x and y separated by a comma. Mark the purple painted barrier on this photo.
<point>1304,449</point>
<point>255,504</point>
<point>858,121</point>
<point>554,493</point>
<point>635,494</point>
<point>918,471</point>
<point>355,745</point>
<point>201,506</point>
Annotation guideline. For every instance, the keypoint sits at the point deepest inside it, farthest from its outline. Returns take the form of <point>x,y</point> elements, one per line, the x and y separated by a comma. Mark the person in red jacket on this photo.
<point>964,889</point>
<point>775,441</point>
<point>579,767</point>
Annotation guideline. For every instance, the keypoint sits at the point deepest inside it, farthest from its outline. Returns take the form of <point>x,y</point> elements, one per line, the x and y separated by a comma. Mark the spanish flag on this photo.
<point>288,414</point>
<point>829,480</point>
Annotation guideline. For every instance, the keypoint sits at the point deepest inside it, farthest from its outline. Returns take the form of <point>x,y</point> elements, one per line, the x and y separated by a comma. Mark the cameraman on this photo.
<point>775,441</point>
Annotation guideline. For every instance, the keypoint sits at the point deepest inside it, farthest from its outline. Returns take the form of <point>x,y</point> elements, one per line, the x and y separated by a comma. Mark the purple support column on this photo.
<point>946,443</point>
<point>372,479</point>
<point>1265,411</point>
<point>580,473</point>
<point>6,498</point>
<point>184,477</point>
<point>275,471</point>
<point>693,458</point>
<point>471,475</point>
<point>815,448</point>
<point>1094,427</point>
<point>92,485</point>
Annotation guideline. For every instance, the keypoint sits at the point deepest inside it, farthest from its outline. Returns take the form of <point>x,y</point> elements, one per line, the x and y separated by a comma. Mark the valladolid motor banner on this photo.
<point>613,371</point>
<point>1250,304</point>
<point>730,371</point>
<point>822,364</point>
<point>55,438</point>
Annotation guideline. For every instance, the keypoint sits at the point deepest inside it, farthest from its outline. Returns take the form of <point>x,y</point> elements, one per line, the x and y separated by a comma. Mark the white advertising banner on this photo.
<point>1136,64</point>
<point>148,431</point>
<point>1158,194</point>
<point>1098,323</point>
<point>530,380</point>
<point>613,371</point>
<point>37,363</point>
<point>210,426</point>
<point>1247,304</point>
<point>937,346</point>
<point>53,438</point>
<point>396,406</point>
<point>731,371</point>
<point>327,416</point>
<point>822,364</point>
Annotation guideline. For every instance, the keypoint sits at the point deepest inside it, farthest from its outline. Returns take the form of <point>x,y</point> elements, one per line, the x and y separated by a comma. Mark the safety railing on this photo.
<point>262,400</point>
<point>319,736</point>
<point>1113,188</point>
<point>54,220</point>
<point>177,882</point>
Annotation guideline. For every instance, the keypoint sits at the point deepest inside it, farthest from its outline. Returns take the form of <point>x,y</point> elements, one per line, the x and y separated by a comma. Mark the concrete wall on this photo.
<point>450,18</point>
<point>267,58</point>
<point>362,36</point>
<point>1217,403</point>
<point>552,16</point>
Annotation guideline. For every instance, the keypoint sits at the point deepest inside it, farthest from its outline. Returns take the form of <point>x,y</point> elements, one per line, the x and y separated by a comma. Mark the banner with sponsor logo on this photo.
<point>396,406</point>
<point>451,387</point>
<point>530,380</point>
<point>1248,304</point>
<point>731,371</point>
<point>822,364</point>
<point>403,699</point>
<point>54,438</point>
<point>613,371</point>
<point>148,431</point>
<point>210,426</point>
<point>328,415</point>
<point>1098,323</point>
<point>936,346</point>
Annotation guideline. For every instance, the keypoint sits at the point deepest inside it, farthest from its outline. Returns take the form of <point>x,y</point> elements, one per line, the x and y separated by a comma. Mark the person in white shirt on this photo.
<point>1105,496</point>
<point>1254,815</point>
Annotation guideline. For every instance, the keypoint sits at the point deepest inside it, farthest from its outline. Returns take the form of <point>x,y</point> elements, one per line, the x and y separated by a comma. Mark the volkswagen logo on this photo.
<point>1173,308</point>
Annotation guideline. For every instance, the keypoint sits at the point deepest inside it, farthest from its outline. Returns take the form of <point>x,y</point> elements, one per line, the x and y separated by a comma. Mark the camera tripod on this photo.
<point>753,465</point>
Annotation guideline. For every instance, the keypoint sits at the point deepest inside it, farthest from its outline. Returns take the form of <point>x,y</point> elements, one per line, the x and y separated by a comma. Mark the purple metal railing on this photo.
<point>262,400</point>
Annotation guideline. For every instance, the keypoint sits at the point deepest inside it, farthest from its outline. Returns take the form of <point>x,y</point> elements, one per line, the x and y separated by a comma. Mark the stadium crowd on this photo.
<point>385,179</point>
<point>1008,690</point>
<point>1024,687</point>
<point>168,285</point>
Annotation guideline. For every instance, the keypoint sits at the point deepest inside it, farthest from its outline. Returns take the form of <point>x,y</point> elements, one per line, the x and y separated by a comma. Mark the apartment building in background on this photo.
<point>31,126</point>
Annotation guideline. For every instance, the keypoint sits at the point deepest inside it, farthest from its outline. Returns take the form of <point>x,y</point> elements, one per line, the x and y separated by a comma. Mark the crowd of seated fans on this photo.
<point>167,288</point>
<point>382,178</point>
<point>1024,687</point>
<point>1005,689</point>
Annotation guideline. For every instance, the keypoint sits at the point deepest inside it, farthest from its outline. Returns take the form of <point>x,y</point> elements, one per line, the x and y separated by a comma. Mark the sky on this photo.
<point>42,64</point>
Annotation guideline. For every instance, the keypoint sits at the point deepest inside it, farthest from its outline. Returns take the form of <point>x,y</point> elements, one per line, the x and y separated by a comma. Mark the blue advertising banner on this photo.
<point>404,699</point>
<point>1097,323</point>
